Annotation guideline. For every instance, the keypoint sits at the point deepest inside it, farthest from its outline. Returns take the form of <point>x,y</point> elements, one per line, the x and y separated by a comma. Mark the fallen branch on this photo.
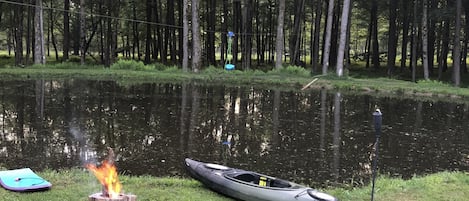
<point>309,84</point>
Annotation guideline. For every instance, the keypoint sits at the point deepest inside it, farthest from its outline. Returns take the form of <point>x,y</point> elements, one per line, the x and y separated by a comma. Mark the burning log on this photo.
<point>107,176</point>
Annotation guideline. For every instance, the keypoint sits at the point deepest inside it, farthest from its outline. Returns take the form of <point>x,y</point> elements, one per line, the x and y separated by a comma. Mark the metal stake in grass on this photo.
<point>377,117</point>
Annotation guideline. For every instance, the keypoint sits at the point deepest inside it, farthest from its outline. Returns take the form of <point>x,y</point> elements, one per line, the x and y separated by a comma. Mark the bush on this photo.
<point>131,65</point>
<point>161,67</point>
<point>213,70</point>
<point>172,69</point>
<point>291,70</point>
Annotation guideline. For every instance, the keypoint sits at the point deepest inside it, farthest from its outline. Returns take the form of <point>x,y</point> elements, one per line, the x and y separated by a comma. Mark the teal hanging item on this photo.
<point>229,55</point>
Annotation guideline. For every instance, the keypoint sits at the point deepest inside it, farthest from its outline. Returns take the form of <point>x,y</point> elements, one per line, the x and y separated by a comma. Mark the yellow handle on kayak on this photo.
<point>262,181</point>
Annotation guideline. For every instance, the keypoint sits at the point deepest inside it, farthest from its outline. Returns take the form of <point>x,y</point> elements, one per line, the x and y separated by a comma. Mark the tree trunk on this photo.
<point>327,43</point>
<point>169,37</point>
<point>224,30</point>
<point>279,46</point>
<point>51,24</point>
<point>374,40</point>
<point>431,26</point>
<point>30,33</point>
<point>425,40</point>
<point>334,49</point>
<point>136,40</point>
<point>237,28</point>
<point>18,34</point>
<point>157,33</point>
<point>115,24</point>
<point>39,53</point>
<point>82,32</point>
<point>392,40</point>
<point>343,37</point>
<point>173,50</point>
<point>148,32</point>
<point>295,36</point>
<point>414,40</point>
<point>247,38</point>
<point>457,46</point>
<point>180,34</point>
<point>66,34</point>
<point>185,33</point>
<point>196,48</point>
<point>211,26</point>
<point>443,57</point>
<point>317,32</point>
<point>260,38</point>
<point>101,23</point>
<point>405,33</point>
<point>466,36</point>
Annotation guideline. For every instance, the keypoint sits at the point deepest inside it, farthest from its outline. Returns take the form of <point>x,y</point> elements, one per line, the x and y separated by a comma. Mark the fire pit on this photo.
<point>107,176</point>
<point>120,197</point>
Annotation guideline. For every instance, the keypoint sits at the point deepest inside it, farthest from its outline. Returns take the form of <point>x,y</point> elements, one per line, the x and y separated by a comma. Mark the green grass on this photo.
<point>444,186</point>
<point>357,80</point>
<point>78,184</point>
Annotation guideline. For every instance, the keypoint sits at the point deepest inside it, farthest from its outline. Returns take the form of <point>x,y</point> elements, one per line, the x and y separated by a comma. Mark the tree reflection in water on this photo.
<point>317,138</point>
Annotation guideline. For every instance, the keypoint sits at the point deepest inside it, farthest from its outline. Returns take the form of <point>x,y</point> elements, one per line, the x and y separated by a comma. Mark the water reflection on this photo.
<point>316,138</point>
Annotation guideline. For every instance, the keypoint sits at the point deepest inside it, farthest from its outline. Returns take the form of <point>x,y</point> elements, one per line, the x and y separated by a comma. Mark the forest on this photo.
<point>422,39</point>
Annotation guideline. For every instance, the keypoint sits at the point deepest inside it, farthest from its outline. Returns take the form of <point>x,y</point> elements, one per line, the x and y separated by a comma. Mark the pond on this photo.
<point>318,138</point>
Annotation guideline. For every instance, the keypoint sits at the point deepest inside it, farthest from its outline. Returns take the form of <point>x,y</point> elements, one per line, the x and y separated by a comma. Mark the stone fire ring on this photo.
<point>122,197</point>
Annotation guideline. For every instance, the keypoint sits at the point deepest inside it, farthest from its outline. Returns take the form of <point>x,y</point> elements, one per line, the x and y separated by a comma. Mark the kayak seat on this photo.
<point>246,177</point>
<point>253,178</point>
<point>280,183</point>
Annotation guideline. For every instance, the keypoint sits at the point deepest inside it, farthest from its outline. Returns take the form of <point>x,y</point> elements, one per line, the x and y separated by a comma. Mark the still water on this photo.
<point>317,138</point>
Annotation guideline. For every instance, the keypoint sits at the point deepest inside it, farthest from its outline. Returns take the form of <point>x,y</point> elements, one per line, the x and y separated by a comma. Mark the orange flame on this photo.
<point>107,175</point>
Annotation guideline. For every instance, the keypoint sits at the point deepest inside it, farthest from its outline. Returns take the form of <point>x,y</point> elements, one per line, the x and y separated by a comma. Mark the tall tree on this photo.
<point>414,39</point>
<point>224,30</point>
<point>185,33</point>
<point>317,32</point>
<point>425,39</point>
<point>279,46</point>
<point>82,32</point>
<point>392,40</point>
<point>136,40</point>
<point>196,45</point>
<point>374,31</point>
<point>327,43</point>
<point>343,37</point>
<point>211,26</point>
<point>295,35</point>
<point>39,52</point>
<point>247,36</point>
<point>405,33</point>
<point>148,31</point>
<point>51,31</point>
<point>66,34</point>
<point>170,33</point>
<point>457,46</point>
<point>30,37</point>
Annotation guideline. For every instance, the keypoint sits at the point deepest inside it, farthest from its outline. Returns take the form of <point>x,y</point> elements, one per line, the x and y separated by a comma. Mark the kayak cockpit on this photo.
<point>258,179</point>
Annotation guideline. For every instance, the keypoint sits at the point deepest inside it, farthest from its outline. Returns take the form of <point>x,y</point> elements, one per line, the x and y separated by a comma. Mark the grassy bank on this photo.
<point>289,78</point>
<point>77,185</point>
<point>444,186</point>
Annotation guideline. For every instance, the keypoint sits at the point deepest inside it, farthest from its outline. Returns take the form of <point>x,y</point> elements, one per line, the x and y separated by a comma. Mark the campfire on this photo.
<point>106,173</point>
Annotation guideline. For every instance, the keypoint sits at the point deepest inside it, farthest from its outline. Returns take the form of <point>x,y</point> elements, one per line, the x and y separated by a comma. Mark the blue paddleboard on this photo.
<point>23,180</point>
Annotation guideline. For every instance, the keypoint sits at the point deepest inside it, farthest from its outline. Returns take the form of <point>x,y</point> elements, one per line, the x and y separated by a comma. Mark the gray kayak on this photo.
<point>251,186</point>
